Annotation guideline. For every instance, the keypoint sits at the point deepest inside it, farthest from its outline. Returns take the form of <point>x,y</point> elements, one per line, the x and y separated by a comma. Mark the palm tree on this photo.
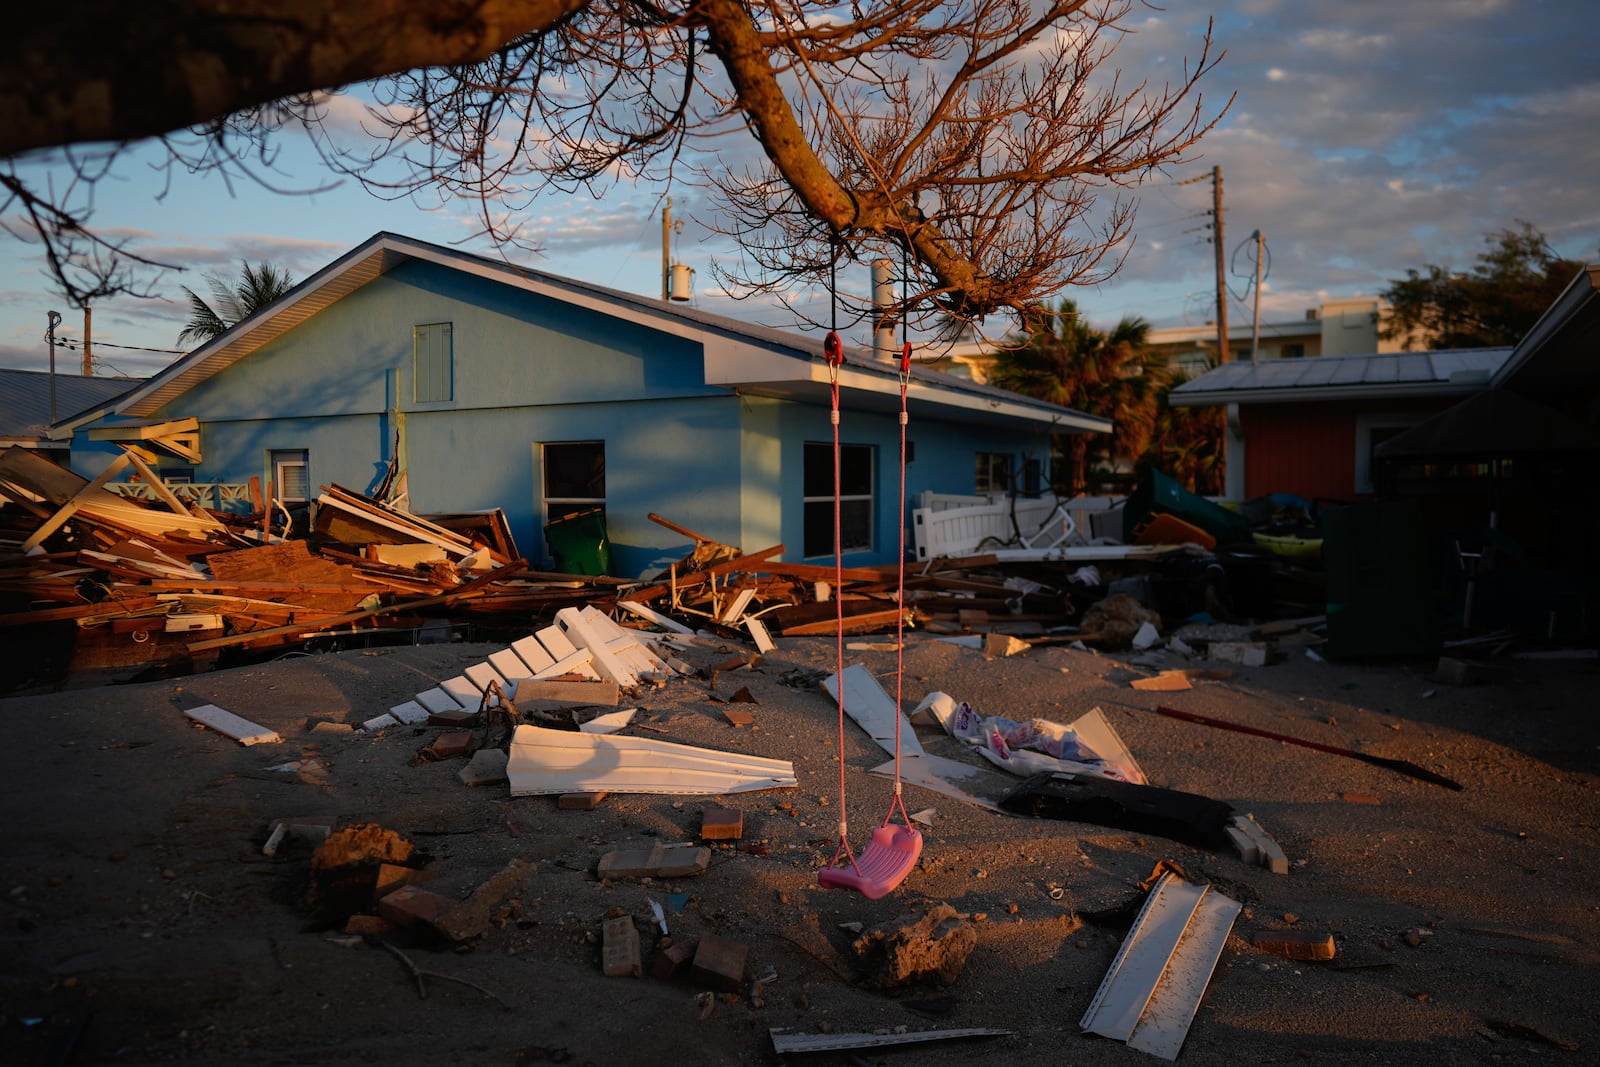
<point>257,287</point>
<point>1114,375</point>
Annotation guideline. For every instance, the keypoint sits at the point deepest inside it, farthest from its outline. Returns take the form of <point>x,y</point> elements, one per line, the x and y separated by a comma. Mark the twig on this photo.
<point>420,975</point>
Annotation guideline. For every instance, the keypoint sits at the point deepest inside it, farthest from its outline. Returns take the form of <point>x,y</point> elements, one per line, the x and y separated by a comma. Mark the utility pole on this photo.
<point>1255,331</point>
<point>1222,277</point>
<point>666,254</point>
<point>88,360</point>
<point>50,335</point>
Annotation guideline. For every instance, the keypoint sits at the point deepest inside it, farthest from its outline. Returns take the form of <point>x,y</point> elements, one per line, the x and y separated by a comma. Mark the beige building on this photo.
<point>1342,327</point>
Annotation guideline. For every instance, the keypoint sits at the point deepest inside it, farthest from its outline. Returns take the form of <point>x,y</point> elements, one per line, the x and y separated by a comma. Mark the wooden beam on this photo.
<point>70,508</point>
<point>469,589</point>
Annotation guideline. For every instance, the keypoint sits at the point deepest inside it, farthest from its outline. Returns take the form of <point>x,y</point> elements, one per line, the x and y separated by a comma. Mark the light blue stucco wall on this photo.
<point>530,370</point>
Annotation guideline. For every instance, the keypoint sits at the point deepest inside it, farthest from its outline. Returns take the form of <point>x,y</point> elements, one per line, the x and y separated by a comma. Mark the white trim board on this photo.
<point>558,761</point>
<point>873,710</point>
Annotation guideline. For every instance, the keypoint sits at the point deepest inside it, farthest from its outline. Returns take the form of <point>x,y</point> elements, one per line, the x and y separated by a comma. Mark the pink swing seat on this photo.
<point>883,866</point>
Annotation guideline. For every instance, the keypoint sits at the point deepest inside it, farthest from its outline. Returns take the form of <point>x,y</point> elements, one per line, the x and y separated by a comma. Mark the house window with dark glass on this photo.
<point>574,478</point>
<point>855,498</point>
<point>993,473</point>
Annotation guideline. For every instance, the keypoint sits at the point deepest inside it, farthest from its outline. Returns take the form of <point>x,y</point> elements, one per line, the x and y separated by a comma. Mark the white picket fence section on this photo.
<point>946,525</point>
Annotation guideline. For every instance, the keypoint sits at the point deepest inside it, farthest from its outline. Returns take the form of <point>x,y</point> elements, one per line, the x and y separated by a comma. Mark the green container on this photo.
<point>1379,585</point>
<point>579,543</point>
<point>1160,495</point>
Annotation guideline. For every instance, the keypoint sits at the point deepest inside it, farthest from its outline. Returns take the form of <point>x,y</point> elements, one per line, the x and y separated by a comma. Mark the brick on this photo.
<point>579,801</point>
<point>719,963</point>
<point>451,744</point>
<point>620,949</point>
<point>722,824</point>
<point>1295,944</point>
<point>411,904</point>
<point>392,876</point>
<point>737,717</point>
<point>674,960</point>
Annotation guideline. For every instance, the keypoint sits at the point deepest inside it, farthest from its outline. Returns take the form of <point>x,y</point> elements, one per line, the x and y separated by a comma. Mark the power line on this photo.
<point>73,344</point>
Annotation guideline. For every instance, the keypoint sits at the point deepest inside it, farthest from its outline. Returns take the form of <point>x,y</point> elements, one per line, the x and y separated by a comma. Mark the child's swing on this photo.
<point>894,848</point>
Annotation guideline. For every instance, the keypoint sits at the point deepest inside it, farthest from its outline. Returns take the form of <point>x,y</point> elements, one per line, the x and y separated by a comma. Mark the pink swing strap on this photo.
<point>882,865</point>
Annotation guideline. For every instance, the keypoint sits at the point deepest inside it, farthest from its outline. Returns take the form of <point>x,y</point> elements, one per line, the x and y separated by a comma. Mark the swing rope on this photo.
<point>833,352</point>
<point>893,850</point>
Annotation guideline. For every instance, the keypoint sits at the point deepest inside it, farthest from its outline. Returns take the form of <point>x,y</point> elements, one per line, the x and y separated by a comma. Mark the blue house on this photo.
<point>488,385</point>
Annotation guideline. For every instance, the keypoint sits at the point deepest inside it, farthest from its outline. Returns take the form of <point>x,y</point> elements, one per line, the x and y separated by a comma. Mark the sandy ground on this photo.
<point>142,923</point>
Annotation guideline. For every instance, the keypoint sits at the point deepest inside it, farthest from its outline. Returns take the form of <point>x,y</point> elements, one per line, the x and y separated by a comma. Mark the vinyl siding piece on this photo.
<point>557,761</point>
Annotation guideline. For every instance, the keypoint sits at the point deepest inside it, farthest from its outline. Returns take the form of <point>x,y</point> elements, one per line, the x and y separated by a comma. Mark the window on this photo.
<point>574,478</point>
<point>1294,351</point>
<point>1032,478</point>
<point>1372,431</point>
<point>433,362</point>
<point>291,476</point>
<point>993,473</point>
<point>855,498</point>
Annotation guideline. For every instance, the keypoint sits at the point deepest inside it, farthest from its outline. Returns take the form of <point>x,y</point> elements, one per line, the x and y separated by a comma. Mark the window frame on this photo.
<point>983,472</point>
<point>811,501</point>
<point>280,458</point>
<point>571,503</point>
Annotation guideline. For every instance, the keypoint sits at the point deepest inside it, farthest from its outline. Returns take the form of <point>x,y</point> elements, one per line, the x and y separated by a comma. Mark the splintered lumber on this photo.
<point>468,589</point>
<point>705,574</point>
<point>859,616</point>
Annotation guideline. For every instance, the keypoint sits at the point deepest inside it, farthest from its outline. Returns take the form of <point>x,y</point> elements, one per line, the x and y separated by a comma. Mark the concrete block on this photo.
<point>721,824</point>
<point>719,963</point>
<point>452,717</point>
<point>487,766</point>
<point>1244,653</point>
<point>620,948</point>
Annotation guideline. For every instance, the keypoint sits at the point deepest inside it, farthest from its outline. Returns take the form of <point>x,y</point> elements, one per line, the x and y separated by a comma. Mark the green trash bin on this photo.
<point>1160,495</point>
<point>578,542</point>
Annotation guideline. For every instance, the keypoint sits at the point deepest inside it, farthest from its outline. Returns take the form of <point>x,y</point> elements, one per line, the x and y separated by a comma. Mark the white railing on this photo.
<point>944,525</point>
<point>227,497</point>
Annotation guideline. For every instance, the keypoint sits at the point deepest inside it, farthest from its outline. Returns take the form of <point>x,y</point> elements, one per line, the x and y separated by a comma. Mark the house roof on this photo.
<point>1452,372</point>
<point>1562,350</point>
<point>1493,424</point>
<point>25,407</point>
<point>742,356</point>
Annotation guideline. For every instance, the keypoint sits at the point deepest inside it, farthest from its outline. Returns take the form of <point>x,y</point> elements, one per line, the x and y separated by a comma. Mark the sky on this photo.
<point>1364,138</point>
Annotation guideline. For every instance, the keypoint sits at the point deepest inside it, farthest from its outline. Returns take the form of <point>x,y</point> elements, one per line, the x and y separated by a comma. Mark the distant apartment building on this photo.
<point>1342,327</point>
<point>1345,327</point>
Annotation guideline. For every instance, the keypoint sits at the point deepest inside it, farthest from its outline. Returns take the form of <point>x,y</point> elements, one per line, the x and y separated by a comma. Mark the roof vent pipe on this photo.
<point>883,304</point>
